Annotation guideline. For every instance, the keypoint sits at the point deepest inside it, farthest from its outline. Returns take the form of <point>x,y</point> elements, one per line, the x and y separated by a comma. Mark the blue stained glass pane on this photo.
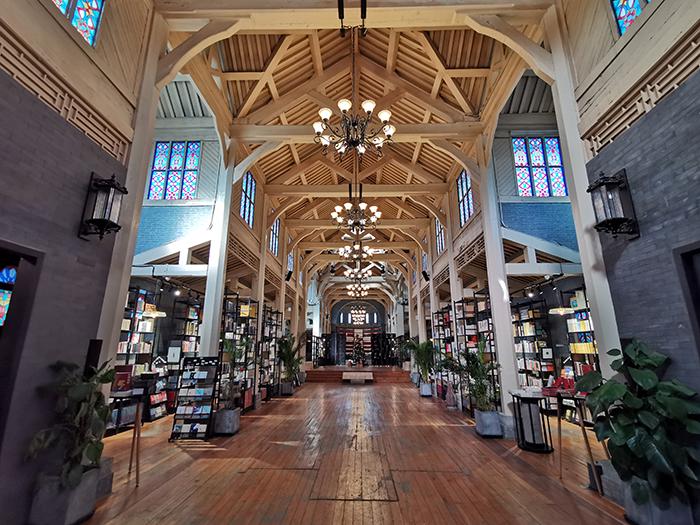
<point>469,180</point>
<point>553,150</point>
<point>160,156</point>
<point>252,189</point>
<point>189,185</point>
<point>194,150</point>
<point>519,152</point>
<point>62,5</point>
<point>8,275</point>
<point>556,180</point>
<point>174,187</point>
<point>86,18</point>
<point>539,178</point>
<point>177,156</point>
<point>536,151</point>
<point>625,13</point>
<point>522,176</point>
<point>156,189</point>
<point>5,296</point>
<point>470,202</point>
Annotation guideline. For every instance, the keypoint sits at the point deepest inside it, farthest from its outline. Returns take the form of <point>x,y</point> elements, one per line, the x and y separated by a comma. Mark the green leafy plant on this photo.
<point>479,373</point>
<point>288,353</point>
<point>423,357</point>
<point>648,424</point>
<point>82,419</point>
<point>236,352</point>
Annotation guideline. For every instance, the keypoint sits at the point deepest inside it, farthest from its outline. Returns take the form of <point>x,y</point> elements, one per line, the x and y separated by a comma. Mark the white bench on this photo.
<point>358,378</point>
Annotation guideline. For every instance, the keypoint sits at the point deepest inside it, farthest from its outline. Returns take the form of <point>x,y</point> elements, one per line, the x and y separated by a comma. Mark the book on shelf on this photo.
<point>578,325</point>
<point>126,325</point>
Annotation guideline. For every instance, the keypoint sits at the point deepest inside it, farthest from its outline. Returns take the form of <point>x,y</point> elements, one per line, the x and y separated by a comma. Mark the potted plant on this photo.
<point>70,495</point>
<point>227,420</point>
<point>649,426</point>
<point>423,357</point>
<point>455,372</point>
<point>288,354</point>
<point>488,421</point>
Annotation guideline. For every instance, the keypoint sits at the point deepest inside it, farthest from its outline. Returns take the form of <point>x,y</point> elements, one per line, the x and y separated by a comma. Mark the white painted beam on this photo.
<point>368,190</point>
<point>537,269</point>
<point>170,270</point>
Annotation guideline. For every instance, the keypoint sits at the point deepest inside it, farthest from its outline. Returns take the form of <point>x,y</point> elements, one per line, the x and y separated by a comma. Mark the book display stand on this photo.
<point>533,348</point>
<point>197,389</point>
<point>239,321</point>
<point>269,361</point>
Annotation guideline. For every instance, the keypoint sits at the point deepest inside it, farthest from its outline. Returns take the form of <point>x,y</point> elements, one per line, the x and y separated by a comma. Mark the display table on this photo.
<point>531,424</point>
<point>358,377</point>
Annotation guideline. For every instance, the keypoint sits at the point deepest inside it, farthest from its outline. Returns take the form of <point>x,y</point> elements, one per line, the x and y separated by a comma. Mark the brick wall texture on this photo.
<point>163,224</point>
<point>661,153</point>
<point>547,220</point>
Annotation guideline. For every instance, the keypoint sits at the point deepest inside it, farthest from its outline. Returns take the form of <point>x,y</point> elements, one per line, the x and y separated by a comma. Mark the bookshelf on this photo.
<point>197,389</point>
<point>442,345</point>
<point>533,349</point>
<point>484,329</point>
<point>583,350</point>
<point>138,329</point>
<point>239,320</point>
<point>187,319</point>
<point>466,340</point>
<point>269,362</point>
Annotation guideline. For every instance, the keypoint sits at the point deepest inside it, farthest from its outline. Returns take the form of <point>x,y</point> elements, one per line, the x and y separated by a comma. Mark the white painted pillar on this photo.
<point>216,269</point>
<point>498,286</point>
<point>566,108</point>
<point>282,295</point>
<point>117,285</point>
<point>412,328</point>
<point>422,330</point>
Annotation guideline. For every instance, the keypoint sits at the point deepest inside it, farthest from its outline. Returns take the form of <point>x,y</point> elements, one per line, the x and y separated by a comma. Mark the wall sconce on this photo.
<point>612,203</point>
<point>102,206</point>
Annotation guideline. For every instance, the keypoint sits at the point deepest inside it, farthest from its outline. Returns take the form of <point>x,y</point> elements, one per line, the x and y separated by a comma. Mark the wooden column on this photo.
<point>216,269</point>
<point>566,108</point>
<point>282,295</point>
<point>117,285</point>
<point>412,328</point>
<point>498,285</point>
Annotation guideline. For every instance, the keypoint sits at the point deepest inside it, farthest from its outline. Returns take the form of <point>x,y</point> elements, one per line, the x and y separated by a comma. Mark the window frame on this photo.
<point>465,201</point>
<point>69,15</point>
<point>249,188</point>
<point>543,137</point>
<point>274,242</point>
<point>439,237</point>
<point>168,170</point>
<point>620,32</point>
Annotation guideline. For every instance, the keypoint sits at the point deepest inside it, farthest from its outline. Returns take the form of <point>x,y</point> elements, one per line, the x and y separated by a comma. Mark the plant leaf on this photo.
<point>614,352</point>
<point>692,426</point>
<point>617,364</point>
<point>640,492</point>
<point>676,407</point>
<point>647,379</point>
<point>657,458</point>
<point>93,451</point>
<point>648,419</point>
<point>610,392</point>
<point>632,401</point>
<point>589,382</point>
<point>79,392</point>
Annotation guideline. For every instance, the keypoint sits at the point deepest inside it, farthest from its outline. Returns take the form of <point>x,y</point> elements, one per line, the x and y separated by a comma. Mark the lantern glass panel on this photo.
<point>599,204</point>
<point>101,202</point>
<point>614,201</point>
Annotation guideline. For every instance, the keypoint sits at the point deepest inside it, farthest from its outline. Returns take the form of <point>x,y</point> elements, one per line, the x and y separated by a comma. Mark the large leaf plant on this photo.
<point>289,355</point>
<point>479,373</point>
<point>423,357</point>
<point>82,419</point>
<point>648,424</point>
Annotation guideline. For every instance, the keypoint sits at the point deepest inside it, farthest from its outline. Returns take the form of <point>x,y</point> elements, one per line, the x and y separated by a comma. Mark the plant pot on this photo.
<point>106,477</point>
<point>488,424</point>
<point>415,378</point>
<point>286,388</point>
<point>407,366</point>
<point>55,505</point>
<point>678,513</point>
<point>227,421</point>
<point>426,390</point>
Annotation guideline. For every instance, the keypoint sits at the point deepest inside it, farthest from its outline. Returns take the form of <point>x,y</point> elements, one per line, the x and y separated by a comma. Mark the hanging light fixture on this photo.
<point>356,251</point>
<point>356,215</point>
<point>354,131</point>
<point>358,314</point>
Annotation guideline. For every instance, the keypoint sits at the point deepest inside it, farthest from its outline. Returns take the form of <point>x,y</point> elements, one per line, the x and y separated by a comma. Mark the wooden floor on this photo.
<point>350,454</point>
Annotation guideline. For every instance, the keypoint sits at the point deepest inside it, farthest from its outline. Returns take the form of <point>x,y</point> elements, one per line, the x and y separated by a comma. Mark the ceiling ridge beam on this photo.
<point>369,190</point>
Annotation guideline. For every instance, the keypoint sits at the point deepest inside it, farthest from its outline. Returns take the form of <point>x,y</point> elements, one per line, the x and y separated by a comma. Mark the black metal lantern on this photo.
<point>102,206</point>
<point>612,203</point>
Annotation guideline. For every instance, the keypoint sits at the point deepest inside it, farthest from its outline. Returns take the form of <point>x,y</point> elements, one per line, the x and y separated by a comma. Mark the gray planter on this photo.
<point>227,421</point>
<point>106,477</point>
<point>488,424</point>
<point>55,505</point>
<point>426,390</point>
<point>678,512</point>
<point>286,388</point>
<point>415,378</point>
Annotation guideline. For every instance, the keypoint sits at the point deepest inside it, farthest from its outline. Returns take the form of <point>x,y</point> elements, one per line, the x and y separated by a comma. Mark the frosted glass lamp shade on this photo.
<point>344,105</point>
<point>368,105</point>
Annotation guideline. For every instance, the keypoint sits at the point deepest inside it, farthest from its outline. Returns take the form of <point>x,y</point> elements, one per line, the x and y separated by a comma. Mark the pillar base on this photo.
<point>507,425</point>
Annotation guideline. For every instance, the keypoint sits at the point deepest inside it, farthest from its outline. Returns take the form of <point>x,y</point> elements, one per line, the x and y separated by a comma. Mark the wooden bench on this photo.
<point>358,378</point>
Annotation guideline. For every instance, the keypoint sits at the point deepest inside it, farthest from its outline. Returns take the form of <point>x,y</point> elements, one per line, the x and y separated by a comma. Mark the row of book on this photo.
<point>195,392</point>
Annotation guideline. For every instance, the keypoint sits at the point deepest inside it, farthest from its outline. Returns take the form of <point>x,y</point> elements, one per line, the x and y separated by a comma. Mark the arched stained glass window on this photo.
<point>539,170</point>
<point>439,236</point>
<point>84,15</point>
<point>626,11</point>
<point>465,197</point>
<point>248,199</point>
<point>8,276</point>
<point>175,171</point>
<point>275,237</point>
<point>290,256</point>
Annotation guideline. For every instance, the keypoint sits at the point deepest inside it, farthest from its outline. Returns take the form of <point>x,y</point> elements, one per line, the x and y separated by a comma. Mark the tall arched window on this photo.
<point>465,197</point>
<point>275,237</point>
<point>439,236</point>
<point>248,199</point>
<point>84,15</point>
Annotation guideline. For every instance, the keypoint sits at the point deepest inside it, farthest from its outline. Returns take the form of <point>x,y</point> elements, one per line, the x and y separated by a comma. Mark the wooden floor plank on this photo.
<point>334,454</point>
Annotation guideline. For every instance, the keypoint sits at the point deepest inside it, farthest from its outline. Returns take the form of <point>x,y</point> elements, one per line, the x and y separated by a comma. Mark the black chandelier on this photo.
<point>356,251</point>
<point>356,215</point>
<point>355,131</point>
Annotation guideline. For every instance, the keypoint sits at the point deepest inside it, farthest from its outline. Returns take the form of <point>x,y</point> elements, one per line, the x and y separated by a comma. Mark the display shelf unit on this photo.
<point>484,328</point>
<point>444,344</point>
<point>466,340</point>
<point>197,390</point>
<point>239,320</point>
<point>533,349</point>
<point>184,341</point>
<point>123,399</point>
<point>268,359</point>
<point>583,350</point>
<point>138,329</point>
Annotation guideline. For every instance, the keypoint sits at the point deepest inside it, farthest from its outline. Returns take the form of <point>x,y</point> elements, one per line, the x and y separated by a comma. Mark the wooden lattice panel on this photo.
<point>244,254</point>
<point>22,64</point>
<point>272,278</point>
<point>442,277</point>
<point>470,252</point>
<point>668,74</point>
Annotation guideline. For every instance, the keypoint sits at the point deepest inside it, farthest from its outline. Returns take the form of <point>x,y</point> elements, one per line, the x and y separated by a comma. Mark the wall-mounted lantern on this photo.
<point>102,206</point>
<point>612,203</point>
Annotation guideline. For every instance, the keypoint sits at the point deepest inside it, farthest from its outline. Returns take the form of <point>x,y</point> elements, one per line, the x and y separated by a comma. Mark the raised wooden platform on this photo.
<point>380,374</point>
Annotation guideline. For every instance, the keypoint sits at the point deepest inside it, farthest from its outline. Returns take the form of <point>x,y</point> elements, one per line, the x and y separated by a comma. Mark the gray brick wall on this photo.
<point>661,154</point>
<point>547,220</point>
<point>163,224</point>
<point>45,166</point>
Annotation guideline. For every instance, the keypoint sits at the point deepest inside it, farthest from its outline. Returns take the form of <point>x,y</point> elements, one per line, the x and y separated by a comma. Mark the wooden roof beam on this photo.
<point>384,224</point>
<point>369,190</point>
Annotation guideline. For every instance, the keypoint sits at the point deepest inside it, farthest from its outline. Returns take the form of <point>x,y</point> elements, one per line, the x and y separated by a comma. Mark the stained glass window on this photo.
<point>84,15</point>
<point>168,180</point>
<point>424,261</point>
<point>8,276</point>
<point>248,199</point>
<point>439,236</point>
<point>465,197</point>
<point>538,167</point>
<point>274,244</point>
<point>290,256</point>
<point>626,11</point>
